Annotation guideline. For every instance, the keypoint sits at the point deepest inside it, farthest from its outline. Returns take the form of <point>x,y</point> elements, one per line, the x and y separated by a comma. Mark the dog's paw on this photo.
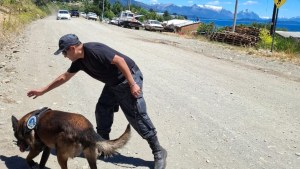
<point>33,165</point>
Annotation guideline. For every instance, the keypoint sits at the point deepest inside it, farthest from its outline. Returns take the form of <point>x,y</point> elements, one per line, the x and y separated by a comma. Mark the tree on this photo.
<point>117,8</point>
<point>40,2</point>
<point>167,16</point>
<point>151,15</point>
<point>107,5</point>
<point>109,14</point>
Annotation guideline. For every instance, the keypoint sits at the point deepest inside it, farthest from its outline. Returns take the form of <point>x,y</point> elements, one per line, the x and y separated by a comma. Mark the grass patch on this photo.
<point>289,46</point>
<point>19,13</point>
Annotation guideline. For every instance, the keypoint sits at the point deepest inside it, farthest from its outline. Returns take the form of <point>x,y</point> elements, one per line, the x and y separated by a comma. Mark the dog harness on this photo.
<point>33,120</point>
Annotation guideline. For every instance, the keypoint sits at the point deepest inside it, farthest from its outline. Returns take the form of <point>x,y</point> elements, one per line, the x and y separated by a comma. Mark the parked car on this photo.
<point>153,25</point>
<point>91,15</point>
<point>74,13</point>
<point>82,14</point>
<point>63,14</point>
<point>114,21</point>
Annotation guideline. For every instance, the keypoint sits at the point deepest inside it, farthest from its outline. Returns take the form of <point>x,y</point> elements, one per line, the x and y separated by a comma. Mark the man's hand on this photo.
<point>123,67</point>
<point>35,93</point>
<point>135,90</point>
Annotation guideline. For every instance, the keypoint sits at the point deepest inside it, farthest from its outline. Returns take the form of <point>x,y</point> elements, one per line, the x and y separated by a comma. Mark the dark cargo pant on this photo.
<point>133,108</point>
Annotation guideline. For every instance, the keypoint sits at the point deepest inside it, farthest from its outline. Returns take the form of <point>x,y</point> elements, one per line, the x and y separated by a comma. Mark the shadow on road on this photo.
<point>124,161</point>
<point>14,162</point>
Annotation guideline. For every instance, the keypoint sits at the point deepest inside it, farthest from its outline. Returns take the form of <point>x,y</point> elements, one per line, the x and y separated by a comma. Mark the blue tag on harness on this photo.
<point>31,123</point>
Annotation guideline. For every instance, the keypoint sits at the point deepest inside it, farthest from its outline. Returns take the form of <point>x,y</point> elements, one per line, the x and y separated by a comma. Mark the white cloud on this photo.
<point>228,3</point>
<point>215,8</point>
<point>153,1</point>
<point>191,2</point>
<point>216,3</point>
<point>250,2</point>
<point>213,3</point>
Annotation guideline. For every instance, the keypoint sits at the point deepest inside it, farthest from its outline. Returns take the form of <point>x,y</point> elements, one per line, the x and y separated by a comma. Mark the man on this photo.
<point>123,87</point>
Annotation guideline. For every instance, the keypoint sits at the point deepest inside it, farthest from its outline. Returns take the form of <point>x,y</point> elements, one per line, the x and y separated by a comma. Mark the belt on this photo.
<point>134,69</point>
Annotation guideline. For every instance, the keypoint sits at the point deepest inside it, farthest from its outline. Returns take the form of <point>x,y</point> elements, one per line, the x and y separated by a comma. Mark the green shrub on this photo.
<point>265,39</point>
<point>108,14</point>
<point>206,28</point>
<point>281,44</point>
<point>287,45</point>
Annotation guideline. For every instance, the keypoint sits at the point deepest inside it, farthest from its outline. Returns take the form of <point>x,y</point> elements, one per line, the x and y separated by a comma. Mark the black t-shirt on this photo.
<point>97,63</point>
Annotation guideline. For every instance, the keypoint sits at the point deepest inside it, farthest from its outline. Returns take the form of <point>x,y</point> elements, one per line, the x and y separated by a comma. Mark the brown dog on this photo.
<point>69,133</point>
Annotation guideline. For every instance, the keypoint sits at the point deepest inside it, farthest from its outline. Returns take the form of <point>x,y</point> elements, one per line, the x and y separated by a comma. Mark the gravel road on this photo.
<point>213,106</point>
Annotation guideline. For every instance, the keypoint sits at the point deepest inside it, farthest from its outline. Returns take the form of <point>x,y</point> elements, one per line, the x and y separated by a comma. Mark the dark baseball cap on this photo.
<point>67,41</point>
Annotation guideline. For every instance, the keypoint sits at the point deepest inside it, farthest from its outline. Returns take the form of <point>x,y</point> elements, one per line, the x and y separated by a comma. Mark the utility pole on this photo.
<point>128,2</point>
<point>274,27</point>
<point>273,19</point>
<point>277,5</point>
<point>234,17</point>
<point>102,10</point>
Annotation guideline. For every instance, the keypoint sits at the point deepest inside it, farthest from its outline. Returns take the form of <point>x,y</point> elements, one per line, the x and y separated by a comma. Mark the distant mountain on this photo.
<point>295,19</point>
<point>194,11</point>
<point>201,11</point>
<point>246,14</point>
<point>133,2</point>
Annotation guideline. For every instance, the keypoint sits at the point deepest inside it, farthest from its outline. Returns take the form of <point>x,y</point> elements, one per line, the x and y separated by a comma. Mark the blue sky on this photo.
<point>263,8</point>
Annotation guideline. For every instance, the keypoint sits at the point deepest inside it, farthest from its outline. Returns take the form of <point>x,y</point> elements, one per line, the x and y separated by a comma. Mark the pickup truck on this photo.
<point>128,19</point>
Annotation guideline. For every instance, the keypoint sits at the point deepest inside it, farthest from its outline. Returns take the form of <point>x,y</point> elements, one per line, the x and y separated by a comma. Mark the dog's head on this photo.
<point>22,139</point>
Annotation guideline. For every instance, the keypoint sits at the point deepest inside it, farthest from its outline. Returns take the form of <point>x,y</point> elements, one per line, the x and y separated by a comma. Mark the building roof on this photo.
<point>287,34</point>
<point>179,23</point>
<point>187,24</point>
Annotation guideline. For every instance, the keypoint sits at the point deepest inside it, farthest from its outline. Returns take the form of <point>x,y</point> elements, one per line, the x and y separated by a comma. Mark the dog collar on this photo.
<point>34,119</point>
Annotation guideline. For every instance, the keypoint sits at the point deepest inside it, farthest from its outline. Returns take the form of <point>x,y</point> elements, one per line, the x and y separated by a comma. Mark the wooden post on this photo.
<point>234,17</point>
<point>274,28</point>
<point>273,19</point>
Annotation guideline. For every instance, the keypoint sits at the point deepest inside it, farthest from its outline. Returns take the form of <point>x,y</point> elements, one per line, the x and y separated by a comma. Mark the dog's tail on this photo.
<point>108,147</point>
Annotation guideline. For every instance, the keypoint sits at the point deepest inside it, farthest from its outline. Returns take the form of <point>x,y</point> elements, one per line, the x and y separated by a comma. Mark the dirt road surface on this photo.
<point>213,106</point>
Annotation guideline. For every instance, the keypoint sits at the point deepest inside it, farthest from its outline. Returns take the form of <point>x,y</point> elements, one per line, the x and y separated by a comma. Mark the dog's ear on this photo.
<point>14,121</point>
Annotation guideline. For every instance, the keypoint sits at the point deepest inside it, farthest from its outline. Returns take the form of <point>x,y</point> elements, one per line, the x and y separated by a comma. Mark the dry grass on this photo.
<point>6,35</point>
<point>3,36</point>
<point>13,18</point>
<point>281,56</point>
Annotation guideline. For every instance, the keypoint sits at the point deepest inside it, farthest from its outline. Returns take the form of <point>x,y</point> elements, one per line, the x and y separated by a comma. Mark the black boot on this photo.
<point>160,154</point>
<point>103,135</point>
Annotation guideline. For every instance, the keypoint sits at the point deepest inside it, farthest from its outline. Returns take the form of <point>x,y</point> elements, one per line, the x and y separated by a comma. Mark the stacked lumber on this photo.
<point>235,38</point>
<point>244,30</point>
<point>243,36</point>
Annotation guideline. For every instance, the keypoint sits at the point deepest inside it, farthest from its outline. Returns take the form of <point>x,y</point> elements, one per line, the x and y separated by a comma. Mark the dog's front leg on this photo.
<point>32,153</point>
<point>45,157</point>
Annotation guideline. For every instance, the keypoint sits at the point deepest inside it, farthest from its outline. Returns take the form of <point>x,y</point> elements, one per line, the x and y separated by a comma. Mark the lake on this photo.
<point>289,25</point>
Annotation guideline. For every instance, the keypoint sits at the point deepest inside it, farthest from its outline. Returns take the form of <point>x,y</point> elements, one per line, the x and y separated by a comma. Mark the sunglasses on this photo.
<point>64,52</point>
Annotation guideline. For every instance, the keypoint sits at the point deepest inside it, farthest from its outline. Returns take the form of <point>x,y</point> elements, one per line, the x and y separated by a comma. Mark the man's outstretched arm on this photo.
<point>57,82</point>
